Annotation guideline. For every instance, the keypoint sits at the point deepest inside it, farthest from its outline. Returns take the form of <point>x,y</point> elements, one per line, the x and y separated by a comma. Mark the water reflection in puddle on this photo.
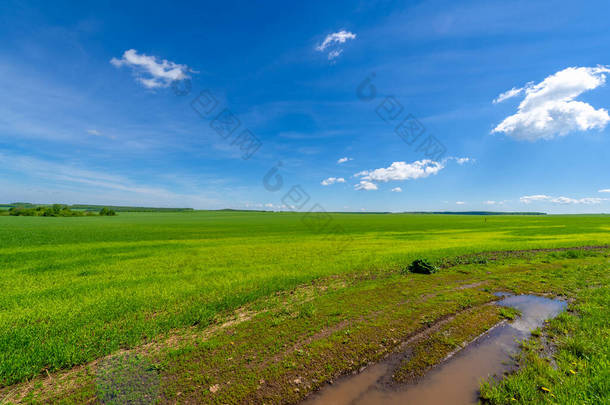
<point>455,381</point>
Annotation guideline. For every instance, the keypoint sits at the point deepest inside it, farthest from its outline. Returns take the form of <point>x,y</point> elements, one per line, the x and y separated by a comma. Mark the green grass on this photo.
<point>318,331</point>
<point>76,289</point>
<point>579,372</point>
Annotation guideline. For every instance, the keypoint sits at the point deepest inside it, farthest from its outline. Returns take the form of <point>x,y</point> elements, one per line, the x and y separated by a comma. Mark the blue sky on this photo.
<point>90,111</point>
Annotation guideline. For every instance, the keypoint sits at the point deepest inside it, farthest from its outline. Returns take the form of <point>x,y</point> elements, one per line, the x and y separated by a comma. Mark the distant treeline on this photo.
<point>55,210</point>
<point>97,208</point>
<point>476,213</point>
<point>118,208</point>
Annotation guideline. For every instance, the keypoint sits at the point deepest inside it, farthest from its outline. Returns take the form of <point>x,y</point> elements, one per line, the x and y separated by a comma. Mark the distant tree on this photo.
<point>107,212</point>
<point>55,210</point>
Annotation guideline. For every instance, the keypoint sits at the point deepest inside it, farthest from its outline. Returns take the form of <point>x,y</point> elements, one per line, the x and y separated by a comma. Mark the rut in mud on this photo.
<point>456,380</point>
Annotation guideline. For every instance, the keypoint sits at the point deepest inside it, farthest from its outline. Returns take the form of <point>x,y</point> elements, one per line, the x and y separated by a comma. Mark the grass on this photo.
<point>450,337</point>
<point>575,368</point>
<point>77,289</point>
<point>321,330</point>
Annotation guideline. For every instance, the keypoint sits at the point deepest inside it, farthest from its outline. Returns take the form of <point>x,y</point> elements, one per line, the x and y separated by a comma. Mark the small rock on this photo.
<point>214,388</point>
<point>298,380</point>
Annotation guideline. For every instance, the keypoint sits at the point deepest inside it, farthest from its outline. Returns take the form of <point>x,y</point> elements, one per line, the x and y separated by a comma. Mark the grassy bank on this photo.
<point>77,289</point>
<point>280,348</point>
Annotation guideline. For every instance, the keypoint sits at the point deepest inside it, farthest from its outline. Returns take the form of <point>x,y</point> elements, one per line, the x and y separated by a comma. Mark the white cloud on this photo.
<point>549,109</point>
<point>490,202</point>
<point>397,190</point>
<point>526,199</point>
<point>460,202</point>
<point>587,200</point>
<point>459,160</point>
<point>365,185</point>
<point>332,40</point>
<point>332,180</point>
<point>508,94</point>
<point>561,200</point>
<point>149,72</point>
<point>403,171</point>
<point>605,190</point>
<point>339,37</point>
<point>334,54</point>
<point>343,160</point>
<point>94,132</point>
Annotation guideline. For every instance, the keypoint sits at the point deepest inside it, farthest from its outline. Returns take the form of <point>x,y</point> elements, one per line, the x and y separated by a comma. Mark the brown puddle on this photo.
<point>456,380</point>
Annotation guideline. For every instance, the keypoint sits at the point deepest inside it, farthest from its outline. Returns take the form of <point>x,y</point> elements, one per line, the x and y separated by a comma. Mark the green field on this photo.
<point>77,289</point>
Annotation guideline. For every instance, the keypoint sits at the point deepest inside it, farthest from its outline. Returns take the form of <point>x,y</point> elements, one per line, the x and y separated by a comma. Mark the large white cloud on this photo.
<point>402,171</point>
<point>150,72</point>
<point>549,108</point>
<point>560,200</point>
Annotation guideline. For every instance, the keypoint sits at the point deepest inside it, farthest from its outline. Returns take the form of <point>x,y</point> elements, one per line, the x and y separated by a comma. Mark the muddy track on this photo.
<point>402,350</point>
<point>503,254</point>
<point>397,352</point>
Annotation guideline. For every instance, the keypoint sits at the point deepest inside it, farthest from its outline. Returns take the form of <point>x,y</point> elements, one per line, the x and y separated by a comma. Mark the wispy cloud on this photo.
<point>150,72</point>
<point>549,109</point>
<point>605,190</point>
<point>460,203</point>
<point>344,160</point>
<point>509,94</point>
<point>463,160</point>
<point>336,37</point>
<point>95,132</point>
<point>397,190</point>
<point>332,43</point>
<point>332,180</point>
<point>560,200</point>
<point>334,54</point>
<point>531,198</point>
<point>96,185</point>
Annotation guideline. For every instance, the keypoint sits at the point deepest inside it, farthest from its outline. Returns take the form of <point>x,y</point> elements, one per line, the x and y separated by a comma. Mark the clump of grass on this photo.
<point>508,313</point>
<point>421,266</point>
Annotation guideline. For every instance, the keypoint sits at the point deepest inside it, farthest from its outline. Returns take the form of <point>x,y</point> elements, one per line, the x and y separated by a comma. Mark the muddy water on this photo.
<point>455,381</point>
